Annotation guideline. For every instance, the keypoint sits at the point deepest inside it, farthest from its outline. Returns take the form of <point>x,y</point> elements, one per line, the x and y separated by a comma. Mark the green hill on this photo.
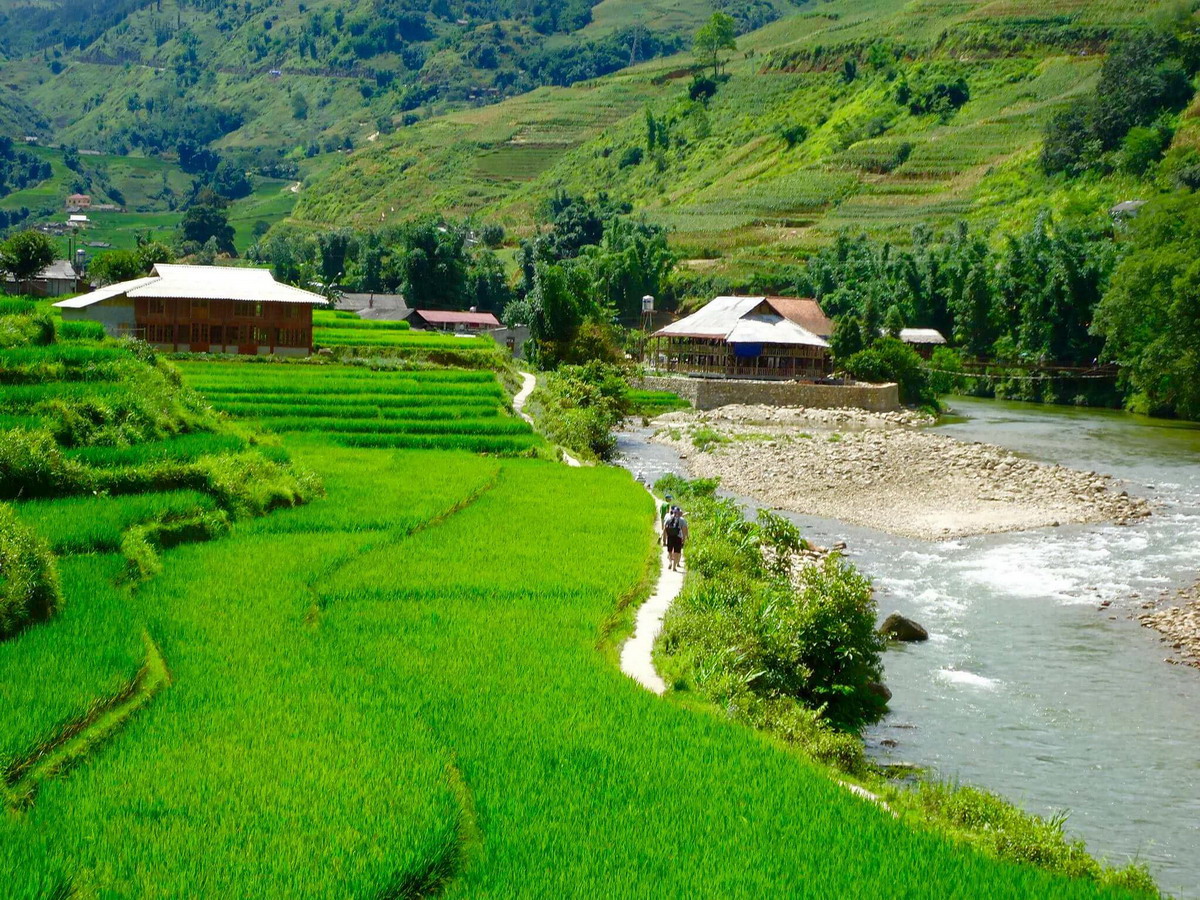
<point>268,77</point>
<point>839,116</point>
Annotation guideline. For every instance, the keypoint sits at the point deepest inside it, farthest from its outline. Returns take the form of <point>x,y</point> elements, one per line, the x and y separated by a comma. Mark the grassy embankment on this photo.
<point>402,688</point>
<point>729,183</point>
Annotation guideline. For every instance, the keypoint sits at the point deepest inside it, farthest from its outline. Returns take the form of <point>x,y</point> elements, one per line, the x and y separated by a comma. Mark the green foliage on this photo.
<point>705,438</point>
<point>1147,73</point>
<point>891,360</point>
<point>945,375</point>
<point>743,632</point>
<point>207,221</point>
<point>717,36</point>
<point>25,254</point>
<point>32,465</point>
<point>29,586</point>
<point>1148,315</point>
<point>1006,832</point>
<point>581,405</point>
<point>126,265</point>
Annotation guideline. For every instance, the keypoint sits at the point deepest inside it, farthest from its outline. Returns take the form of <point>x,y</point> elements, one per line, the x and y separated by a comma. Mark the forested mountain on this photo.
<point>269,76</point>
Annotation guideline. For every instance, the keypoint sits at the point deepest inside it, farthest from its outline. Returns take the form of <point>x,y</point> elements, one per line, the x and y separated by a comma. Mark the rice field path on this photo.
<point>637,655</point>
<point>528,383</point>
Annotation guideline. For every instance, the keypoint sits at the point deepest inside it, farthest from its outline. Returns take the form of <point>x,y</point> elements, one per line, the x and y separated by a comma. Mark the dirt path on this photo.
<point>528,383</point>
<point>637,654</point>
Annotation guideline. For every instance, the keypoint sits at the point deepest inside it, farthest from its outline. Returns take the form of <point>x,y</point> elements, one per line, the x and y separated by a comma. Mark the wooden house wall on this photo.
<point>199,326</point>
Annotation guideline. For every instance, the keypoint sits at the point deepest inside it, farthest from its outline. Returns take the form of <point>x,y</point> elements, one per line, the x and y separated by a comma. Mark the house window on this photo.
<point>200,309</point>
<point>199,333</point>
<point>215,334</point>
<point>248,310</point>
<point>290,311</point>
<point>262,336</point>
<point>156,307</point>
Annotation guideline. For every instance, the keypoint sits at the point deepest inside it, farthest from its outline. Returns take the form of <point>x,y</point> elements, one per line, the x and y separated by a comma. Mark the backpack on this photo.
<point>674,527</point>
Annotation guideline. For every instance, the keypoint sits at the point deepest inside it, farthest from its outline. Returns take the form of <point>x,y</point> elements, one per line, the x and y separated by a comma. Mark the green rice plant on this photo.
<point>186,447</point>
<point>392,410</point>
<point>343,725</point>
<point>331,425</point>
<point>96,523</point>
<point>29,587</point>
<point>325,320</point>
<point>503,444</point>
<point>81,330</point>
<point>54,674</point>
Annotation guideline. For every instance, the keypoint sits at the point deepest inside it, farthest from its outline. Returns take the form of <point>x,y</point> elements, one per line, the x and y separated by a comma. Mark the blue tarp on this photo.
<point>747,349</point>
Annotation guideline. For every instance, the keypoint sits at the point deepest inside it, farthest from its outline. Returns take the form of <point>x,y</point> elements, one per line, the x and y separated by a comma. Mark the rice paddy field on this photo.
<point>355,406</point>
<point>405,689</point>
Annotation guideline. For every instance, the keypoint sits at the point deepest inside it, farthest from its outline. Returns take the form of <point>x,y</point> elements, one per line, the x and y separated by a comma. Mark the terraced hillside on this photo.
<point>811,134</point>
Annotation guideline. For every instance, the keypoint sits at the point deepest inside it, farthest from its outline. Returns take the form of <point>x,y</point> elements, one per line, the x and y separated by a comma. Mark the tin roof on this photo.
<point>446,317</point>
<point>921,336</point>
<point>805,312</point>
<point>179,282</point>
<point>734,320</point>
<point>105,293</point>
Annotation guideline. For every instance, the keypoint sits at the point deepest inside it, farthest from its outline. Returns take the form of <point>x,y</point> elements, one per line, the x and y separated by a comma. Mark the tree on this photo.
<point>718,34</point>
<point>1150,315</point>
<point>893,321</point>
<point>207,219</point>
<point>25,254</point>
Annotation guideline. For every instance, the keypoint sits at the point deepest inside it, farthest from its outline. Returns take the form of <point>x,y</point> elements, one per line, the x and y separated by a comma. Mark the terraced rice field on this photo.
<point>405,688</point>
<point>429,409</point>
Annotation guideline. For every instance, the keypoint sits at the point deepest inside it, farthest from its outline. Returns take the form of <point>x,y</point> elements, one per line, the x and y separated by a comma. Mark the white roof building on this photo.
<point>176,282</point>
<point>741,320</point>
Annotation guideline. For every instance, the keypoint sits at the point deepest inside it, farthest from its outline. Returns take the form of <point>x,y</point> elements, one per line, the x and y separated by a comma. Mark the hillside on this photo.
<point>271,77</point>
<point>807,137</point>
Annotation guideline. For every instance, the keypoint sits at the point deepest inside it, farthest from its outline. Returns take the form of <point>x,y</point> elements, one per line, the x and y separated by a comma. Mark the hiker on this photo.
<point>675,535</point>
<point>664,510</point>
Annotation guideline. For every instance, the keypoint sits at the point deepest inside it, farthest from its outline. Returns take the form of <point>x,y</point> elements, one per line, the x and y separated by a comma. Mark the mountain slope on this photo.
<point>275,75</point>
<point>811,134</point>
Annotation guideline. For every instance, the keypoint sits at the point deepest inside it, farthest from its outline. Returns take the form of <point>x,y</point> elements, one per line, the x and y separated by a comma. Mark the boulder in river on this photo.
<point>900,628</point>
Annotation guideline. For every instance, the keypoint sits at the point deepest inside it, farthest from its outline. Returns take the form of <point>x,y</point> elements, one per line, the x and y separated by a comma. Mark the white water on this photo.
<point>1027,686</point>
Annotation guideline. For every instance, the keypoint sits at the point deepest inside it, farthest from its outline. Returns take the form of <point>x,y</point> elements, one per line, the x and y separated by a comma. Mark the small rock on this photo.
<point>879,690</point>
<point>900,628</point>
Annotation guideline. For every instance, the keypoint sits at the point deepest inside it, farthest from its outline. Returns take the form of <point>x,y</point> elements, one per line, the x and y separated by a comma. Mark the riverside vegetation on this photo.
<point>342,690</point>
<point>767,636</point>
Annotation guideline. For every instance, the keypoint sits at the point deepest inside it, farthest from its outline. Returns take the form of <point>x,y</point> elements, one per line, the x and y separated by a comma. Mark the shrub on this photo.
<point>702,88</point>
<point>581,405</point>
<point>945,375</point>
<point>631,157</point>
<point>29,587</point>
<point>891,360</point>
<point>766,646</point>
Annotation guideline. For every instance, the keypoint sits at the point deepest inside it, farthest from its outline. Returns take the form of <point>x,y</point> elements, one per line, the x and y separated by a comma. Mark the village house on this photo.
<point>76,202</point>
<point>446,320</point>
<point>204,309</point>
<point>56,280</point>
<point>923,340</point>
<point>745,337</point>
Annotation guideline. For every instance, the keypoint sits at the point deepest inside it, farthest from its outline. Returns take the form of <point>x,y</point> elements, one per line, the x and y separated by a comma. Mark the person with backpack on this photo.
<point>675,535</point>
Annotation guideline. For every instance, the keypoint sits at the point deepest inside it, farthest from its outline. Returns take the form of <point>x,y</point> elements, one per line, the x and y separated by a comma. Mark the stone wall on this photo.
<point>710,393</point>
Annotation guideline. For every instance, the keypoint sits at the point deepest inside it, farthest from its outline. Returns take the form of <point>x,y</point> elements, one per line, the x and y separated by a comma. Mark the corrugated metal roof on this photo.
<point>446,317</point>
<point>60,269</point>
<point>805,312</point>
<point>732,319</point>
<point>178,282</point>
<point>104,293</point>
<point>921,336</point>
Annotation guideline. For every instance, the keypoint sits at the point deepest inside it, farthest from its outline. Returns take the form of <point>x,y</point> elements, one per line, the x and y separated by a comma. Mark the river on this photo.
<point>1027,686</point>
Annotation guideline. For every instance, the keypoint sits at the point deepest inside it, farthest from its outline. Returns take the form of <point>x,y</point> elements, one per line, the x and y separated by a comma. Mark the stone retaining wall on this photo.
<point>710,393</point>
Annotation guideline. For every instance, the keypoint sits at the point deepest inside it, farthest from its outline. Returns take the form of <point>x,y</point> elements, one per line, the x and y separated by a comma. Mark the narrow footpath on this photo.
<point>637,655</point>
<point>528,383</point>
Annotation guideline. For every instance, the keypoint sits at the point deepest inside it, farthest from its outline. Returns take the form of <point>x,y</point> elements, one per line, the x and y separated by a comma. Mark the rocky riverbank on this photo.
<point>879,471</point>
<point>1179,621</point>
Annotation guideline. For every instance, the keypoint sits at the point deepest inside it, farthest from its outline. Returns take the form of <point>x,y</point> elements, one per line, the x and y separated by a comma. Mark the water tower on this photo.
<point>647,313</point>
